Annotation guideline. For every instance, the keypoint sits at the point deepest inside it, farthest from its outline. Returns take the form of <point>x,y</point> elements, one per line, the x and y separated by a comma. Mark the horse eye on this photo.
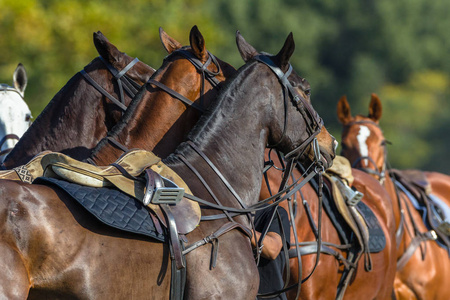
<point>308,92</point>
<point>27,118</point>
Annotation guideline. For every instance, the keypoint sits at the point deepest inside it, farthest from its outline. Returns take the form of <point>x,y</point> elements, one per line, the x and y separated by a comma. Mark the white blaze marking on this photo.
<point>363,134</point>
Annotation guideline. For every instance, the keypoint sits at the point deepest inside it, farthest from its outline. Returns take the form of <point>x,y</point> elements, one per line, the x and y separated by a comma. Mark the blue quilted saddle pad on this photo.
<point>110,206</point>
<point>377,240</point>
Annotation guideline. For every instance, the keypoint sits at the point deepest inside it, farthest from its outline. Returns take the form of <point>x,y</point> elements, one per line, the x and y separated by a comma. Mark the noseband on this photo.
<point>123,81</point>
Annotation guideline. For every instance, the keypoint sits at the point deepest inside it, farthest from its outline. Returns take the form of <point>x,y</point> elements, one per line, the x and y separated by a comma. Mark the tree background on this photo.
<point>397,49</point>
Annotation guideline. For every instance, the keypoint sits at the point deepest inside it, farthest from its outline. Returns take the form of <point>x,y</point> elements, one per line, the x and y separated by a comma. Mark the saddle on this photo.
<point>359,218</point>
<point>416,183</point>
<point>136,173</point>
<point>28,172</point>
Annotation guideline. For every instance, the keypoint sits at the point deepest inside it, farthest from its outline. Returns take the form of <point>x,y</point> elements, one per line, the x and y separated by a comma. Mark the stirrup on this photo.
<point>170,193</point>
<point>351,196</point>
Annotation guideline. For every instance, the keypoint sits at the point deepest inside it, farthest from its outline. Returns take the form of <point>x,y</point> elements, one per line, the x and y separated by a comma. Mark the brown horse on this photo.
<point>51,248</point>
<point>86,108</point>
<point>324,283</point>
<point>170,103</point>
<point>425,274</point>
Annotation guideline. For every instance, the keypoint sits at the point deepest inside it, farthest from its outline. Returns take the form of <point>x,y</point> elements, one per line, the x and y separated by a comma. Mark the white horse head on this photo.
<point>15,116</point>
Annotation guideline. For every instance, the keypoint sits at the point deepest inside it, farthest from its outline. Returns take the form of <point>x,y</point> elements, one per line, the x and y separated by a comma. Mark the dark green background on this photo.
<point>397,49</point>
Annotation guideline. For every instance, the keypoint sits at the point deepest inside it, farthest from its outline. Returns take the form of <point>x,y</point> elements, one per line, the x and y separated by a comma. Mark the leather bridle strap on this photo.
<point>130,86</point>
<point>10,136</point>
<point>313,121</point>
<point>202,68</point>
<point>175,94</point>
<point>6,88</point>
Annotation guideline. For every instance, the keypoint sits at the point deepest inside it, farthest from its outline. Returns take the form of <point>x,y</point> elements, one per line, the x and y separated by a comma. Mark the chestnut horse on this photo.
<point>425,274</point>
<point>170,103</point>
<point>86,108</point>
<point>51,248</point>
<point>324,280</point>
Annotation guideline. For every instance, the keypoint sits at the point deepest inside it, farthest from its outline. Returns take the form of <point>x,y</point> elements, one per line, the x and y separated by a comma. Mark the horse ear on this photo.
<point>169,43</point>
<point>343,110</point>
<point>286,52</point>
<point>106,50</point>
<point>375,108</point>
<point>198,44</point>
<point>245,49</point>
<point>20,79</point>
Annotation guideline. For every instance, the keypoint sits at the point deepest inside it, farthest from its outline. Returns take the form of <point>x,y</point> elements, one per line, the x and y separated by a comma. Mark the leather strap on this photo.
<point>175,94</point>
<point>416,241</point>
<point>173,237</point>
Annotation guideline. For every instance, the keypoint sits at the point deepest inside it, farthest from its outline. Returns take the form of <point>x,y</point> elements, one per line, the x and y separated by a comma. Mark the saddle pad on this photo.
<point>110,206</point>
<point>377,239</point>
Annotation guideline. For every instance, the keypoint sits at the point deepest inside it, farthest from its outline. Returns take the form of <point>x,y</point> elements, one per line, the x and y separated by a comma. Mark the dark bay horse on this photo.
<point>52,248</point>
<point>424,269</point>
<point>170,103</point>
<point>81,114</point>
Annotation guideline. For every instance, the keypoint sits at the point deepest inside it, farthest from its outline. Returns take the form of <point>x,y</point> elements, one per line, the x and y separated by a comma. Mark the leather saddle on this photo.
<point>346,200</point>
<point>416,183</point>
<point>28,172</point>
<point>135,173</point>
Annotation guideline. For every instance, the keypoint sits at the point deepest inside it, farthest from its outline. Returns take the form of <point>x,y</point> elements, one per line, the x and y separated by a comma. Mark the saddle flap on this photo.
<point>186,212</point>
<point>341,167</point>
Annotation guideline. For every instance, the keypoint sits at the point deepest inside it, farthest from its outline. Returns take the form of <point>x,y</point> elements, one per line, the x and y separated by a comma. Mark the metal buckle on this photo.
<point>170,193</point>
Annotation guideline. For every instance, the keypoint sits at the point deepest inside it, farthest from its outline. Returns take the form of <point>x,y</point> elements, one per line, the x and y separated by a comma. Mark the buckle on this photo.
<point>170,193</point>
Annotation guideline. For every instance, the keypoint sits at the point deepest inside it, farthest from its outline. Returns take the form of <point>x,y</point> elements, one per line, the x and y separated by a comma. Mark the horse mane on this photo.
<point>208,122</point>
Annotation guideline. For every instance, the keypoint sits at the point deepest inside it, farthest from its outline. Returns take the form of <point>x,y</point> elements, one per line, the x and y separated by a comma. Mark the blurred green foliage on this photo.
<point>397,49</point>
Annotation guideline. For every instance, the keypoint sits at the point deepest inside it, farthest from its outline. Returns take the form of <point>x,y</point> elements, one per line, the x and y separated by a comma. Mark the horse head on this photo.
<point>86,108</point>
<point>15,116</point>
<point>363,141</point>
<point>300,125</point>
<point>169,105</point>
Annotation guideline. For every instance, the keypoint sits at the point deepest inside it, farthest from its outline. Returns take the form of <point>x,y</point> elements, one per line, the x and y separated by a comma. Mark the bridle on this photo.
<point>123,81</point>
<point>313,121</point>
<point>314,125</point>
<point>11,136</point>
<point>202,68</point>
<point>381,174</point>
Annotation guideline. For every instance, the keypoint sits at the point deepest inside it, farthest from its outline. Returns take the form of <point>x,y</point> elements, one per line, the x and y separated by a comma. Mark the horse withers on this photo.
<point>15,116</point>
<point>423,267</point>
<point>52,248</point>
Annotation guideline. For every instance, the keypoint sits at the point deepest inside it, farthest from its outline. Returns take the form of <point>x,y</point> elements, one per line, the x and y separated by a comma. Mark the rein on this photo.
<point>123,81</point>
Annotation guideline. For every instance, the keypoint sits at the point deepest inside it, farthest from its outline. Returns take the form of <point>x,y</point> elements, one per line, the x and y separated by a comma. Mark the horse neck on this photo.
<point>234,140</point>
<point>157,123</point>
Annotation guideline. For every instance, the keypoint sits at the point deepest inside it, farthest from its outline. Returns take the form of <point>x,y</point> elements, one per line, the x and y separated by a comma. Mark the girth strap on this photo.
<point>417,240</point>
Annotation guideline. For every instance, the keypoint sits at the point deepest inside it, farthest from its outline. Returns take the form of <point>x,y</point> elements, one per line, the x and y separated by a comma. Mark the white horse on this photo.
<point>15,116</point>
